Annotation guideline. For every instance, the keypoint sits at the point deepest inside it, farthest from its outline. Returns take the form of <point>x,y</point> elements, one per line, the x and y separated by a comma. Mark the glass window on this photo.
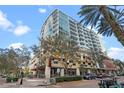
<point>55,62</point>
<point>63,22</point>
<point>49,29</point>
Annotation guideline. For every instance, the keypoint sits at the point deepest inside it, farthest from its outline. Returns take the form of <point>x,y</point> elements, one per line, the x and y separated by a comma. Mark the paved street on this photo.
<point>78,84</point>
<point>83,83</point>
<point>27,83</point>
<point>38,83</point>
<point>2,81</point>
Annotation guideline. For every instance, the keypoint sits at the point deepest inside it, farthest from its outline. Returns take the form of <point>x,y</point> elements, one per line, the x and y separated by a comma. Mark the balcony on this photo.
<point>73,33</point>
<point>55,30</point>
<point>81,39</point>
<point>80,32</point>
<point>55,26</point>
<point>74,38</point>
<point>72,22</point>
<point>73,25</point>
<point>73,28</point>
<point>55,21</point>
<point>81,35</point>
<point>81,43</point>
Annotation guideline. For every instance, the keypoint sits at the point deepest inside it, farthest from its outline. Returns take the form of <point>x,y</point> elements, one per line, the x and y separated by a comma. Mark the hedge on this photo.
<point>8,79</point>
<point>11,79</point>
<point>62,79</point>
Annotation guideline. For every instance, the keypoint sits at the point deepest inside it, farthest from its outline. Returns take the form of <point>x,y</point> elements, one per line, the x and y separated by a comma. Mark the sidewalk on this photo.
<point>39,83</point>
<point>27,83</point>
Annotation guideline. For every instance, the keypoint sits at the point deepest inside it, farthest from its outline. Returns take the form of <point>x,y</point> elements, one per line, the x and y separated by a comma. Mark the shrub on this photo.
<point>8,79</point>
<point>11,79</point>
<point>62,79</point>
<point>15,79</point>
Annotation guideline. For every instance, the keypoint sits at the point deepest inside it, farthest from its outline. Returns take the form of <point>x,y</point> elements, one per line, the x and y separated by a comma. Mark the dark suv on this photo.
<point>89,76</point>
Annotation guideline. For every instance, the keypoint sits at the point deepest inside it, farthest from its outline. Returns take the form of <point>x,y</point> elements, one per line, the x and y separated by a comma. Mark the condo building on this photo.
<point>62,24</point>
<point>59,23</point>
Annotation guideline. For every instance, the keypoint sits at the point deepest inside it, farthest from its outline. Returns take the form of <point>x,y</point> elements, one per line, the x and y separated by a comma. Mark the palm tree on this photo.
<point>106,19</point>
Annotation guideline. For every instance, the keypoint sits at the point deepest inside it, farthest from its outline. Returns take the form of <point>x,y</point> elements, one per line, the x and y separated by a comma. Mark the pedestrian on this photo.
<point>115,80</point>
<point>21,78</point>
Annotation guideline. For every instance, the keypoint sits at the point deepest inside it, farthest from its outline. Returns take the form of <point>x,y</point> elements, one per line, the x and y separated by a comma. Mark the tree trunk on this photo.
<point>118,32</point>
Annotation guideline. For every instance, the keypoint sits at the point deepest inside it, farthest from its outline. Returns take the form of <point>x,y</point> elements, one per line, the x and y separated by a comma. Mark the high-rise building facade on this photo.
<point>58,23</point>
<point>62,24</point>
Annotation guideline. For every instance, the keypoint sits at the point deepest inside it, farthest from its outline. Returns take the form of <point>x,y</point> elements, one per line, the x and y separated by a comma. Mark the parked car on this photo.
<point>106,83</point>
<point>89,76</point>
<point>99,76</point>
<point>3,76</point>
<point>104,76</point>
<point>120,74</point>
<point>110,83</point>
<point>122,84</point>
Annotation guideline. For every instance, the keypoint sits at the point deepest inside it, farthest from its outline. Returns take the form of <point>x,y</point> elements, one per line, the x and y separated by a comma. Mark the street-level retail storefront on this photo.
<point>38,72</point>
<point>57,72</point>
<point>85,70</point>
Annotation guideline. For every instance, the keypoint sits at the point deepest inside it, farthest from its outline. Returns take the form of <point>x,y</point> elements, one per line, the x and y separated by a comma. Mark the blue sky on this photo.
<point>22,25</point>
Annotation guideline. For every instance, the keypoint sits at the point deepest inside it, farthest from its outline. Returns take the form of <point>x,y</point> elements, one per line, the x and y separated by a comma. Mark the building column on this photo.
<point>62,73</point>
<point>47,72</point>
<point>52,72</point>
<point>58,71</point>
<point>48,69</point>
<point>78,72</point>
<point>88,71</point>
<point>34,73</point>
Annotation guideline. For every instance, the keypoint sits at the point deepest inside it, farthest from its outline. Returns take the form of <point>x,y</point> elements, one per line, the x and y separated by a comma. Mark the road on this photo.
<point>78,84</point>
<point>2,81</point>
<point>38,83</point>
<point>82,83</point>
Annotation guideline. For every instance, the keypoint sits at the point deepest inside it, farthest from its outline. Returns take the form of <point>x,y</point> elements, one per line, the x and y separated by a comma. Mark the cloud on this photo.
<point>5,23</point>
<point>116,53</point>
<point>21,30</point>
<point>15,45</point>
<point>17,29</point>
<point>42,10</point>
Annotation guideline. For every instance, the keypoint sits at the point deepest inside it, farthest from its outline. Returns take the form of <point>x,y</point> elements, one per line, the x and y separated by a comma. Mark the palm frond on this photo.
<point>114,9</point>
<point>90,15</point>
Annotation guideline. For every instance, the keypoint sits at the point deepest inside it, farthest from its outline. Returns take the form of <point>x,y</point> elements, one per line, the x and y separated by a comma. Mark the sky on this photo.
<point>22,25</point>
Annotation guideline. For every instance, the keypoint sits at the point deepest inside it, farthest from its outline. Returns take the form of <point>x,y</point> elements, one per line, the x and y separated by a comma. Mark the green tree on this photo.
<point>106,19</point>
<point>62,46</point>
<point>13,59</point>
<point>35,49</point>
<point>3,61</point>
<point>8,60</point>
<point>23,56</point>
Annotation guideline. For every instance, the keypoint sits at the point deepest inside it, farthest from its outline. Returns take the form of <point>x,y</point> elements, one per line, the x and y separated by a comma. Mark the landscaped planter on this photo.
<point>62,79</point>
